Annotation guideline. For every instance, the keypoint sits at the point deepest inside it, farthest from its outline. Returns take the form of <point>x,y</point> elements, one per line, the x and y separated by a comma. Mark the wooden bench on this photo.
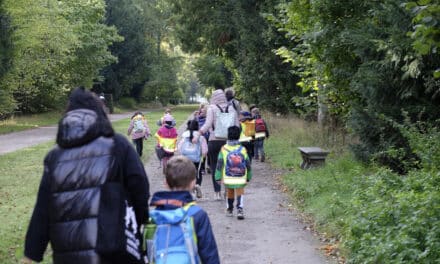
<point>312,157</point>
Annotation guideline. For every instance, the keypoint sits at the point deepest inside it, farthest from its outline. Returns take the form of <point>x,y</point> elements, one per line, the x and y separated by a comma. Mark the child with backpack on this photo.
<point>166,140</point>
<point>261,133</point>
<point>196,152</point>
<point>139,130</point>
<point>161,121</point>
<point>247,134</point>
<point>183,229</point>
<point>234,169</point>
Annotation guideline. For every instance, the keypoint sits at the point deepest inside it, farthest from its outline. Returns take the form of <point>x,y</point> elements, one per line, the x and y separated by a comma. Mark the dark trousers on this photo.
<point>214,148</point>
<point>199,175</point>
<point>139,143</point>
<point>249,149</point>
<point>259,148</point>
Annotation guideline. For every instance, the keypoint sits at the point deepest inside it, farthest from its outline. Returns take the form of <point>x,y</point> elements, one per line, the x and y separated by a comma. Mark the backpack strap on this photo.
<point>221,110</point>
<point>191,208</point>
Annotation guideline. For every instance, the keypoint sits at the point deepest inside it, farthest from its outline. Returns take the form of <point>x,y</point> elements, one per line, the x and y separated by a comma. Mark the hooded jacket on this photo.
<point>207,247</point>
<point>218,98</point>
<point>67,205</point>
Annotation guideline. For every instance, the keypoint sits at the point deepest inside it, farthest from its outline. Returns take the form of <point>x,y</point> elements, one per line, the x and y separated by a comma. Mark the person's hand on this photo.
<point>219,182</point>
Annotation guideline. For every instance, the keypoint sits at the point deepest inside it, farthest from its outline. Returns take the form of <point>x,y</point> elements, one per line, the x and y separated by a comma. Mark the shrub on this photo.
<point>127,102</point>
<point>397,217</point>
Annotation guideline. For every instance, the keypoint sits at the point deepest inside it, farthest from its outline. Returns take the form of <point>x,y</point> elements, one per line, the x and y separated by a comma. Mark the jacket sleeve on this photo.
<point>248,168</point>
<point>135,179</point>
<point>219,169</point>
<point>206,244</point>
<point>130,127</point>
<point>209,121</point>
<point>37,236</point>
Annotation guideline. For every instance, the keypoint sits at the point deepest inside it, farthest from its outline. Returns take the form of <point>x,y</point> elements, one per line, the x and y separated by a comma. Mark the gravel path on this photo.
<point>270,233</point>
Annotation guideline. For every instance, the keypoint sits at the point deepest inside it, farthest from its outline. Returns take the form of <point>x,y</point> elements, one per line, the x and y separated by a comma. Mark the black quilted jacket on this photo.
<point>68,199</point>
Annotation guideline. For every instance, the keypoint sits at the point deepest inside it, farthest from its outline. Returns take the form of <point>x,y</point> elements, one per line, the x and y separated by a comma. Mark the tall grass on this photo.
<point>323,194</point>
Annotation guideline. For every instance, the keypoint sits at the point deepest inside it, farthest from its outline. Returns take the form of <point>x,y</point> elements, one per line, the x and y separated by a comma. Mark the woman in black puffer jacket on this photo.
<point>87,153</point>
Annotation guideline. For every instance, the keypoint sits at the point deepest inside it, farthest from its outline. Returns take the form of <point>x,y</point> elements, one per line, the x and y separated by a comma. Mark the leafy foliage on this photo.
<point>361,60</point>
<point>238,32</point>
<point>7,102</point>
<point>57,45</point>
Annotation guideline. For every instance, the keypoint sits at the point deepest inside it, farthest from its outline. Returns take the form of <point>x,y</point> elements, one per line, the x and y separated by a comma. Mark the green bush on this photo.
<point>397,217</point>
<point>127,102</point>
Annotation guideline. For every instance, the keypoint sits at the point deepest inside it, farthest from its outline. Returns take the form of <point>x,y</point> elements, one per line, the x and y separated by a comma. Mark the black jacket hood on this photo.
<point>81,126</point>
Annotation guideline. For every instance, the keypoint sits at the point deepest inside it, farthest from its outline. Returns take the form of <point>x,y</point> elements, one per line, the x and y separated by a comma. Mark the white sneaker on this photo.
<point>217,196</point>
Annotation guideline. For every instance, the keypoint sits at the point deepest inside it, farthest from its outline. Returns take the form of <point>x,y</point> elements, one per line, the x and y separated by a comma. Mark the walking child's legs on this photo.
<point>139,143</point>
<point>258,143</point>
<point>230,195</point>
<point>240,193</point>
<point>263,155</point>
<point>199,175</point>
<point>214,148</point>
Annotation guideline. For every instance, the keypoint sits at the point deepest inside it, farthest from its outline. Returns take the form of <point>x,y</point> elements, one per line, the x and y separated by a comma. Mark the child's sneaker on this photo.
<point>198,191</point>
<point>217,196</point>
<point>229,212</point>
<point>240,214</point>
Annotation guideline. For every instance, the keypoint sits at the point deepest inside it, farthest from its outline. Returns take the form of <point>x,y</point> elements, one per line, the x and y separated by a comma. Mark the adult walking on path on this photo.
<point>14,141</point>
<point>72,198</point>
<point>271,232</point>
<point>218,105</point>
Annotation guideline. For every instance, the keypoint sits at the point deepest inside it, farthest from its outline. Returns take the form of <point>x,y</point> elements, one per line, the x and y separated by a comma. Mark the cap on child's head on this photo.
<point>233,133</point>
<point>245,114</point>
<point>168,117</point>
<point>180,172</point>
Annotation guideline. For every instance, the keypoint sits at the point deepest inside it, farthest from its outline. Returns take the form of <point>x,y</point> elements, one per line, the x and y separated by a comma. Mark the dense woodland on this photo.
<point>370,67</point>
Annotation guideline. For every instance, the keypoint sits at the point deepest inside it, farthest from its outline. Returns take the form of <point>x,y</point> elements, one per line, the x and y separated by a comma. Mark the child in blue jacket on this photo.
<point>181,179</point>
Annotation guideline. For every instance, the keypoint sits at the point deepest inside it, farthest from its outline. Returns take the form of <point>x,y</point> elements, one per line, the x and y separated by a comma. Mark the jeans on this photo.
<point>258,147</point>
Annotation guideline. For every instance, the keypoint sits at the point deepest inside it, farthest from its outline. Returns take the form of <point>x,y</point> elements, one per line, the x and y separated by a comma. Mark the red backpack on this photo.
<point>260,126</point>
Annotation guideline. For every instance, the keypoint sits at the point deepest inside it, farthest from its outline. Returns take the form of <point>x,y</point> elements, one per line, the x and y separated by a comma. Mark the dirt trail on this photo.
<point>270,232</point>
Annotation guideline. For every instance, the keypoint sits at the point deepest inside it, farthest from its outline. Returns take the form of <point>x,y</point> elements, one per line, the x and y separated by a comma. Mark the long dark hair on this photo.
<point>192,125</point>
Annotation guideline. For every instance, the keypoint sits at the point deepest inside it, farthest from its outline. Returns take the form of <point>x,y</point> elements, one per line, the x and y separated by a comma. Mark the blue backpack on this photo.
<point>190,150</point>
<point>175,239</point>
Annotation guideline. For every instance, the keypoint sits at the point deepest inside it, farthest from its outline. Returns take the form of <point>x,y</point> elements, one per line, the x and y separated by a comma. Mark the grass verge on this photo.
<point>20,174</point>
<point>20,123</point>
<point>322,194</point>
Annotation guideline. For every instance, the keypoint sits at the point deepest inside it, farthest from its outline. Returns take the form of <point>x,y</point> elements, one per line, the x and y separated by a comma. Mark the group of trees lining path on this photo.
<point>369,67</point>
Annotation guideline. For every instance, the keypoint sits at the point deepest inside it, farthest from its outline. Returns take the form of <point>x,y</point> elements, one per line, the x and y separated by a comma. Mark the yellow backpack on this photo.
<point>249,128</point>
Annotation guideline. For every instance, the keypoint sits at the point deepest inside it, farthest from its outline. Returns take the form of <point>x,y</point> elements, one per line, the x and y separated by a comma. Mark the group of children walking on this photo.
<point>184,172</point>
